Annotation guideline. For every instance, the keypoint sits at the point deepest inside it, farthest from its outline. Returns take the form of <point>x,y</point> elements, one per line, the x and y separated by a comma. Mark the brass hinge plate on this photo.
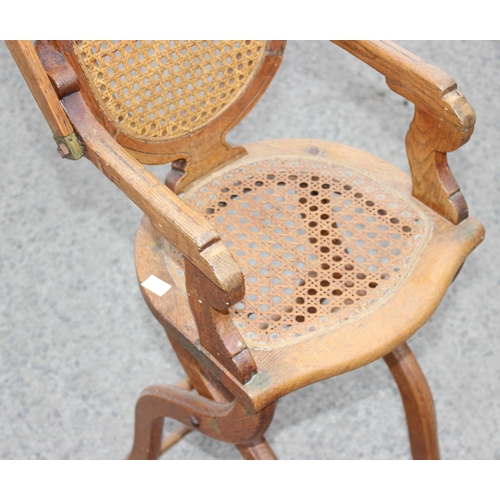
<point>69,147</point>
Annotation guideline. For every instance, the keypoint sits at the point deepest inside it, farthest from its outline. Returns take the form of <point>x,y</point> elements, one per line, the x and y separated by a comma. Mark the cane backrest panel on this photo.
<point>164,89</point>
<point>167,100</point>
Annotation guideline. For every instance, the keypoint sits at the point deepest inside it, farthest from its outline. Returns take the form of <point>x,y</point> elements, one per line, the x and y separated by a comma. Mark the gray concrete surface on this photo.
<point>77,343</point>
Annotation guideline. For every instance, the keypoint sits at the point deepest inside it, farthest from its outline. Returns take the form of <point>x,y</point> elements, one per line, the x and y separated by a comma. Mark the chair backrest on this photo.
<point>168,100</point>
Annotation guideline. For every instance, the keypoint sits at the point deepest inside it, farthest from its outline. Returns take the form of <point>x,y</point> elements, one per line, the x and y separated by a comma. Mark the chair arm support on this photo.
<point>429,88</point>
<point>443,121</point>
<point>181,226</point>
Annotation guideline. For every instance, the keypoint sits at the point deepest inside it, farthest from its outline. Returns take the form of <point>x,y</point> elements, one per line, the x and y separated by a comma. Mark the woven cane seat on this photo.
<point>318,243</point>
<point>341,263</point>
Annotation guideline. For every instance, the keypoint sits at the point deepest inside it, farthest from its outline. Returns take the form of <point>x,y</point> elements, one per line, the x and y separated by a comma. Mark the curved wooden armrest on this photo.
<point>443,121</point>
<point>429,88</point>
<point>213,278</point>
<point>184,228</point>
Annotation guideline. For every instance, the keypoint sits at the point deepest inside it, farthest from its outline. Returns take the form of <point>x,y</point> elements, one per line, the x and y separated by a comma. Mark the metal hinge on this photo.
<point>69,147</point>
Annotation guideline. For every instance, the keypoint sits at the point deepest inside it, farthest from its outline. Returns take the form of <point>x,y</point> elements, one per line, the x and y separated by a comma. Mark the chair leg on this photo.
<point>260,449</point>
<point>147,439</point>
<point>154,446</point>
<point>417,401</point>
<point>229,422</point>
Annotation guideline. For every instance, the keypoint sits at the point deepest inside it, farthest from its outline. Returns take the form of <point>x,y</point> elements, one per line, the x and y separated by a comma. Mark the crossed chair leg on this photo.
<point>212,413</point>
<point>417,402</point>
<point>229,422</point>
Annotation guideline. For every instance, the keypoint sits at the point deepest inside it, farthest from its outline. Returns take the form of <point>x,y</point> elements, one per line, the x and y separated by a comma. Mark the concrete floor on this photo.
<point>77,342</point>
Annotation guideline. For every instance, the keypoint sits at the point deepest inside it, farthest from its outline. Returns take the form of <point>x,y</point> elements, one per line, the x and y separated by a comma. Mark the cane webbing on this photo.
<point>165,89</point>
<point>318,243</point>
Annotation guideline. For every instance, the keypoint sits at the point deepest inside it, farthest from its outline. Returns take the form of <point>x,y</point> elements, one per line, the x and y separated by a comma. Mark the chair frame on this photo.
<point>218,362</point>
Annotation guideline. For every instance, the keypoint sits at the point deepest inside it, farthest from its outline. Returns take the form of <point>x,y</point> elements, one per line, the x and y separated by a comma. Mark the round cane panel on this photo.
<point>318,243</point>
<point>157,90</point>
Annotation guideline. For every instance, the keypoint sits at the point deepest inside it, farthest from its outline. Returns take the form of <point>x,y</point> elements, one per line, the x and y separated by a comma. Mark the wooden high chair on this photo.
<point>271,265</point>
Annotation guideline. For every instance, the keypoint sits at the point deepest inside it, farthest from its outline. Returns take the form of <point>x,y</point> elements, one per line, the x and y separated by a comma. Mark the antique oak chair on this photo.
<point>276,264</point>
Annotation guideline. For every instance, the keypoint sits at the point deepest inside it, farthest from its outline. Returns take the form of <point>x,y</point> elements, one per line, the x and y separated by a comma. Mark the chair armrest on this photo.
<point>180,225</point>
<point>443,121</point>
<point>426,86</point>
<point>213,278</point>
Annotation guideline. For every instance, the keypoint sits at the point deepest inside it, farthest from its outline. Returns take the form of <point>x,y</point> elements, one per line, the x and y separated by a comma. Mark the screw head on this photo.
<point>63,150</point>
